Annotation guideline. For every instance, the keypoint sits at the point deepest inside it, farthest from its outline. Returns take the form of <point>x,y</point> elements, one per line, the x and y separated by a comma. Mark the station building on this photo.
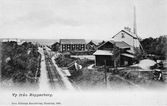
<point>72,45</point>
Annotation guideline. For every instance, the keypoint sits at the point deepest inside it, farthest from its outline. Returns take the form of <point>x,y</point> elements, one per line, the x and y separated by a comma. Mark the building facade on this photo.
<point>127,36</point>
<point>72,45</point>
<point>105,55</point>
<point>92,46</point>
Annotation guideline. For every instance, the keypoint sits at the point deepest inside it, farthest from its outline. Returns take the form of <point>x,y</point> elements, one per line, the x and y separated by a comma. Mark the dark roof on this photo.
<point>129,33</point>
<point>105,43</point>
<point>94,42</point>
<point>122,44</point>
<point>72,41</point>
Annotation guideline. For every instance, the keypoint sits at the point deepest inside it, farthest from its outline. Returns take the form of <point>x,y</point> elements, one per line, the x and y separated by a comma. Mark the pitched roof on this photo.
<point>95,42</point>
<point>104,44</point>
<point>130,51</point>
<point>72,41</point>
<point>103,52</point>
<point>128,55</point>
<point>122,44</point>
<point>111,41</point>
<point>129,33</point>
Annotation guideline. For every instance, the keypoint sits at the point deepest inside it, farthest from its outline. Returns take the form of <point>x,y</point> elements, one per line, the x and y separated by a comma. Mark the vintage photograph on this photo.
<point>53,52</point>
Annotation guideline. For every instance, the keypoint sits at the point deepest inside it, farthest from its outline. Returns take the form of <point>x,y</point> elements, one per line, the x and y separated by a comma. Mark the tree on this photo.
<point>155,46</point>
<point>116,55</point>
<point>139,55</point>
<point>20,63</point>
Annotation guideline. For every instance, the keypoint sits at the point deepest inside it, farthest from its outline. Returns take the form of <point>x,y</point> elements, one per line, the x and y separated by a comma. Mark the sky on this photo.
<point>80,19</point>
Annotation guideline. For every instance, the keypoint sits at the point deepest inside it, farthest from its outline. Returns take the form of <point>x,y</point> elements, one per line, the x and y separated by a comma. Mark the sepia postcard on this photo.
<point>83,52</point>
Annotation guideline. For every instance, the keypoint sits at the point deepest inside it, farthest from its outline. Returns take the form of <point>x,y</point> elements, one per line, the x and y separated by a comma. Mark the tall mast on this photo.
<point>135,28</point>
<point>134,24</point>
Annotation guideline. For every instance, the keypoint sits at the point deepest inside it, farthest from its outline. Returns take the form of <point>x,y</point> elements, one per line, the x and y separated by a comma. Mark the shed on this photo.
<point>103,57</point>
<point>126,59</point>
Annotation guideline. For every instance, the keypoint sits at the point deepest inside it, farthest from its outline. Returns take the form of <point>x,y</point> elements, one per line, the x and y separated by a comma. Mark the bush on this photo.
<point>89,79</point>
<point>67,54</point>
<point>85,62</point>
<point>62,61</point>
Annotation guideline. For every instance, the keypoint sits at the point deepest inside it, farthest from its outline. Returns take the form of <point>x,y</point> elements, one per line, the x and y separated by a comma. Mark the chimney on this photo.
<point>134,23</point>
<point>127,29</point>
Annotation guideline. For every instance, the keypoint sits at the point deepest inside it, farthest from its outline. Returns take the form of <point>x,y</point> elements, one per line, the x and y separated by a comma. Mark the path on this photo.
<point>43,81</point>
<point>66,81</point>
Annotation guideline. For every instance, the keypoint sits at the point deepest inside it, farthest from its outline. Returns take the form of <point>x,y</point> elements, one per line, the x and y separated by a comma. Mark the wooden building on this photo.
<point>126,55</point>
<point>105,54</point>
<point>92,45</point>
<point>55,46</point>
<point>72,45</point>
<point>126,59</point>
<point>103,57</point>
<point>128,37</point>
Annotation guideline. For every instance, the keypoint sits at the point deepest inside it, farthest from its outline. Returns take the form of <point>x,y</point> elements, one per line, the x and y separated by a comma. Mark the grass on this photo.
<point>94,78</point>
<point>139,78</point>
<point>90,79</point>
<point>120,79</point>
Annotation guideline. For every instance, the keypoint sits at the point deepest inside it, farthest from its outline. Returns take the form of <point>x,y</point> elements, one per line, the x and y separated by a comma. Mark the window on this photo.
<point>123,36</point>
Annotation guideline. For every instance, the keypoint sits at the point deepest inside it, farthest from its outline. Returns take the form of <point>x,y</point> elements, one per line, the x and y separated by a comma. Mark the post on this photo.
<point>105,73</point>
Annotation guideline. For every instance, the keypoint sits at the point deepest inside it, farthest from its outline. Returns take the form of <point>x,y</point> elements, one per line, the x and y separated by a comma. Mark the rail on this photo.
<point>52,72</point>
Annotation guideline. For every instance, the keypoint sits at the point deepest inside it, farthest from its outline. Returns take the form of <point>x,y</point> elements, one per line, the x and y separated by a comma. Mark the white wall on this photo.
<point>127,38</point>
<point>136,43</point>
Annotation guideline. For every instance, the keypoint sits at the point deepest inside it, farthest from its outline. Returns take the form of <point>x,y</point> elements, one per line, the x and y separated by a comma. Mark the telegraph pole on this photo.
<point>105,73</point>
<point>134,23</point>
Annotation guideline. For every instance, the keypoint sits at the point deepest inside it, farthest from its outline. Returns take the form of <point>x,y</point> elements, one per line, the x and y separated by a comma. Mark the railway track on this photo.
<point>54,77</point>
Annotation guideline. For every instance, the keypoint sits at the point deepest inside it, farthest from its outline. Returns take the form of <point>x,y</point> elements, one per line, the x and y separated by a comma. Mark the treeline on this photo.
<point>20,63</point>
<point>155,46</point>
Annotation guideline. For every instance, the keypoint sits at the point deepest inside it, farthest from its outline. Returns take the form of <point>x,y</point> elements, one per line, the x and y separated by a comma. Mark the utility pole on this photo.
<point>105,73</point>
<point>134,23</point>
